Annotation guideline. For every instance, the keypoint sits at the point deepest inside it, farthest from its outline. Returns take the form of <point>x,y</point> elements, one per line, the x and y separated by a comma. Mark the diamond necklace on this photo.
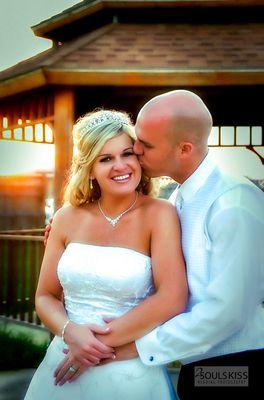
<point>114,221</point>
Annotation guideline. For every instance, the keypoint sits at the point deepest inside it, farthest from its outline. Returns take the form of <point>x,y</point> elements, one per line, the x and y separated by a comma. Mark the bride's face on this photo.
<point>117,169</point>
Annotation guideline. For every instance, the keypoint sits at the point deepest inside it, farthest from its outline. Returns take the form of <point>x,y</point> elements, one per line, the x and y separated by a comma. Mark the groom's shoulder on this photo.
<point>233,191</point>
<point>234,183</point>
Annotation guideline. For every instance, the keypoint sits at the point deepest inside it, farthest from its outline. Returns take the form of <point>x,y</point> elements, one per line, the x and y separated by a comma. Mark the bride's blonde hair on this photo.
<point>90,133</point>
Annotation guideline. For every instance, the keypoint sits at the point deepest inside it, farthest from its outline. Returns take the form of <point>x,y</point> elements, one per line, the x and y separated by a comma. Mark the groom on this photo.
<point>222,232</point>
<point>220,338</point>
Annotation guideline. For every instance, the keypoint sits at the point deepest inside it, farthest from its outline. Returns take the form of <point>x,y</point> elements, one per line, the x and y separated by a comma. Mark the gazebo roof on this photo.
<point>131,53</point>
<point>83,12</point>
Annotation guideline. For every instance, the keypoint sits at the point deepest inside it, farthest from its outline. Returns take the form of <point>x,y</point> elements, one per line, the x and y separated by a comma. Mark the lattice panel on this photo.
<point>26,131</point>
<point>28,119</point>
<point>250,137</point>
<point>238,136</point>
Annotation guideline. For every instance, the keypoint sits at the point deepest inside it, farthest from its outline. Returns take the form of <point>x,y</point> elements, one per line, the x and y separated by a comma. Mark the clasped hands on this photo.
<point>86,349</point>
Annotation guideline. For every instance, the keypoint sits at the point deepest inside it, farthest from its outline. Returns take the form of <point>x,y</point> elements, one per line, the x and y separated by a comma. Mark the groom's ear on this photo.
<point>186,149</point>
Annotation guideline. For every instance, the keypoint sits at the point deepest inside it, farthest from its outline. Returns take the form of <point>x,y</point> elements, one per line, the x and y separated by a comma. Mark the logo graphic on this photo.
<point>221,376</point>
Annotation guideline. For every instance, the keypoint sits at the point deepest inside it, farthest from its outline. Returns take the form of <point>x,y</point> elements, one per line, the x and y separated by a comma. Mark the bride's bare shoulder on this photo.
<point>157,210</point>
<point>68,212</point>
<point>155,204</point>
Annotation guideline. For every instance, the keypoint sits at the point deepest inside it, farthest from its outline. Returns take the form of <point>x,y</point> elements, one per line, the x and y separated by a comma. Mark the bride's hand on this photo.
<point>84,347</point>
<point>68,370</point>
<point>82,353</point>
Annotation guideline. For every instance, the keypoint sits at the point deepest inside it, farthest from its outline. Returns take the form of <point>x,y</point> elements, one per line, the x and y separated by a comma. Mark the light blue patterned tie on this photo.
<point>179,202</point>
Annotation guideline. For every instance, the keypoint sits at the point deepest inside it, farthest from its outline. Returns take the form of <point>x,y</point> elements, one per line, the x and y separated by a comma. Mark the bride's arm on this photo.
<point>170,282</point>
<point>49,304</point>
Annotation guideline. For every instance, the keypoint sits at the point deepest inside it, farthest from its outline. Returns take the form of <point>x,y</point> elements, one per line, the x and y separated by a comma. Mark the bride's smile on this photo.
<point>117,169</point>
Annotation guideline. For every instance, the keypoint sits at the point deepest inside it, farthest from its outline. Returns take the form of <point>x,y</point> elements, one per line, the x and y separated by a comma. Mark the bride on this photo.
<point>114,253</point>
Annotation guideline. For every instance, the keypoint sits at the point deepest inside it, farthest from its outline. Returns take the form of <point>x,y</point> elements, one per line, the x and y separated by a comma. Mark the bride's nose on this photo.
<point>119,164</point>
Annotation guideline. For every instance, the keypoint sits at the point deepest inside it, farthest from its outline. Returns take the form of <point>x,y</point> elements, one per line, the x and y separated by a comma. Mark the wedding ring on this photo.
<point>72,369</point>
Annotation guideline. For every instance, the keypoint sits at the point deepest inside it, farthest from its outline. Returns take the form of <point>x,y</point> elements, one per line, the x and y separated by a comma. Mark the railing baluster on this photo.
<point>11,292</point>
<point>21,255</point>
<point>31,289</point>
<point>23,281</point>
<point>2,276</point>
<point>40,254</point>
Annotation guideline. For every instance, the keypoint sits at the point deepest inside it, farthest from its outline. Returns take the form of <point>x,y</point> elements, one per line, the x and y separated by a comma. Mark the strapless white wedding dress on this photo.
<point>102,282</point>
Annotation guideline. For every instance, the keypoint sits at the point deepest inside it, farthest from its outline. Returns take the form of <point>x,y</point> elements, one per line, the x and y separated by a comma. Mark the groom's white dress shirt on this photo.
<point>222,222</point>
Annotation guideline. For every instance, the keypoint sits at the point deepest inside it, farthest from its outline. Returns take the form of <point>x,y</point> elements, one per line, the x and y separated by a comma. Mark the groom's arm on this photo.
<point>126,352</point>
<point>168,268</point>
<point>236,232</point>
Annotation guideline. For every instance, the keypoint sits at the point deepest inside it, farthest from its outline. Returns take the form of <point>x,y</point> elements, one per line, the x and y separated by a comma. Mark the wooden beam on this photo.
<point>22,237</point>
<point>155,78</point>
<point>63,123</point>
<point>22,83</point>
<point>120,77</point>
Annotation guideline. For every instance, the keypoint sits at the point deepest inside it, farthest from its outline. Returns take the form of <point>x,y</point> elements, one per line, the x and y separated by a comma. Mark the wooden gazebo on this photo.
<point>119,54</point>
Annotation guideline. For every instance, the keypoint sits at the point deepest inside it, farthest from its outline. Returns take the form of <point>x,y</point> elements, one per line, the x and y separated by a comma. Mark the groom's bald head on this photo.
<point>182,115</point>
<point>172,132</point>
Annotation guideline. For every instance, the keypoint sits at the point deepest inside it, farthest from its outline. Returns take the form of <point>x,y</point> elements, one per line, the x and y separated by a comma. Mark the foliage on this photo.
<point>19,350</point>
<point>174,364</point>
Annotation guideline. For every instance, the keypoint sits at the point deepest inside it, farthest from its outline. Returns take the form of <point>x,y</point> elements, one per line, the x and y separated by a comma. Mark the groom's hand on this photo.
<point>47,231</point>
<point>126,352</point>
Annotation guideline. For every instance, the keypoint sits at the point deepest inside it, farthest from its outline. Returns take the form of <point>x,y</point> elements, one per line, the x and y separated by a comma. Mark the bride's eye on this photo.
<point>105,159</point>
<point>128,154</point>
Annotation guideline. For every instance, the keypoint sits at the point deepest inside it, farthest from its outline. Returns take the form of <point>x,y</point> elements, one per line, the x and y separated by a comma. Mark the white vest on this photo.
<point>222,220</point>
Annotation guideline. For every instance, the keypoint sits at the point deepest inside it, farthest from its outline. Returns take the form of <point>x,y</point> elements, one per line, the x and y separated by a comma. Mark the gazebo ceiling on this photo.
<point>144,54</point>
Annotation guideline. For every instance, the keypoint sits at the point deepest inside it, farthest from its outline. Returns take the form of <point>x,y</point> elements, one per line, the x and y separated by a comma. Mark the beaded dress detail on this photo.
<point>101,282</point>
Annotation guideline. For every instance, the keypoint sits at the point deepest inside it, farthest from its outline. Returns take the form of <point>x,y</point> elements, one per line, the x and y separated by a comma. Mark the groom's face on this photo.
<point>153,147</point>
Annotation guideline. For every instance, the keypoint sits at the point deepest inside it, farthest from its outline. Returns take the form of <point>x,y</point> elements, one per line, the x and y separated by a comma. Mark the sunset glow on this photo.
<point>21,158</point>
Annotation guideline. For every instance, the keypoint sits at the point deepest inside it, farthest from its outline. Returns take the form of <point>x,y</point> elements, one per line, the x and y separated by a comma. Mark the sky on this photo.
<point>17,43</point>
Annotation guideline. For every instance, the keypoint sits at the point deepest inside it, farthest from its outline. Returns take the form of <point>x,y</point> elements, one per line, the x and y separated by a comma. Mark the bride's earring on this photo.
<point>91,183</point>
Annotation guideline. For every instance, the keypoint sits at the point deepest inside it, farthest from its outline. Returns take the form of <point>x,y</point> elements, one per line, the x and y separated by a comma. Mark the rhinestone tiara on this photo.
<point>102,117</point>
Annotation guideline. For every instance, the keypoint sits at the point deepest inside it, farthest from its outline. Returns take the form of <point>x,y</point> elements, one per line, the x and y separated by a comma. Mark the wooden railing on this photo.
<point>21,253</point>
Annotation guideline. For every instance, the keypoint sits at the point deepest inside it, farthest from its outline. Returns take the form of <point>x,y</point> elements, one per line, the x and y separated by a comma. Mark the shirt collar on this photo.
<point>190,187</point>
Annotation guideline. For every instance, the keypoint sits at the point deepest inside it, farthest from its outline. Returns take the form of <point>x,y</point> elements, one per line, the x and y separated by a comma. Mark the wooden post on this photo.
<point>63,122</point>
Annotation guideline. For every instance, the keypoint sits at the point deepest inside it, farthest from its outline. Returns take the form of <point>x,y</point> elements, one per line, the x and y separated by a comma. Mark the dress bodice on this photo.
<point>103,282</point>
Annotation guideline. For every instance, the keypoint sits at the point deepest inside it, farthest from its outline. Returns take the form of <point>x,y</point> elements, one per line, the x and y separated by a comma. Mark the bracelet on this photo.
<point>63,329</point>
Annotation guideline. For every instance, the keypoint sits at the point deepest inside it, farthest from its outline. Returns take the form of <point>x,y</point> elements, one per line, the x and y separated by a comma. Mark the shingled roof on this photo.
<point>133,53</point>
<point>170,47</point>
